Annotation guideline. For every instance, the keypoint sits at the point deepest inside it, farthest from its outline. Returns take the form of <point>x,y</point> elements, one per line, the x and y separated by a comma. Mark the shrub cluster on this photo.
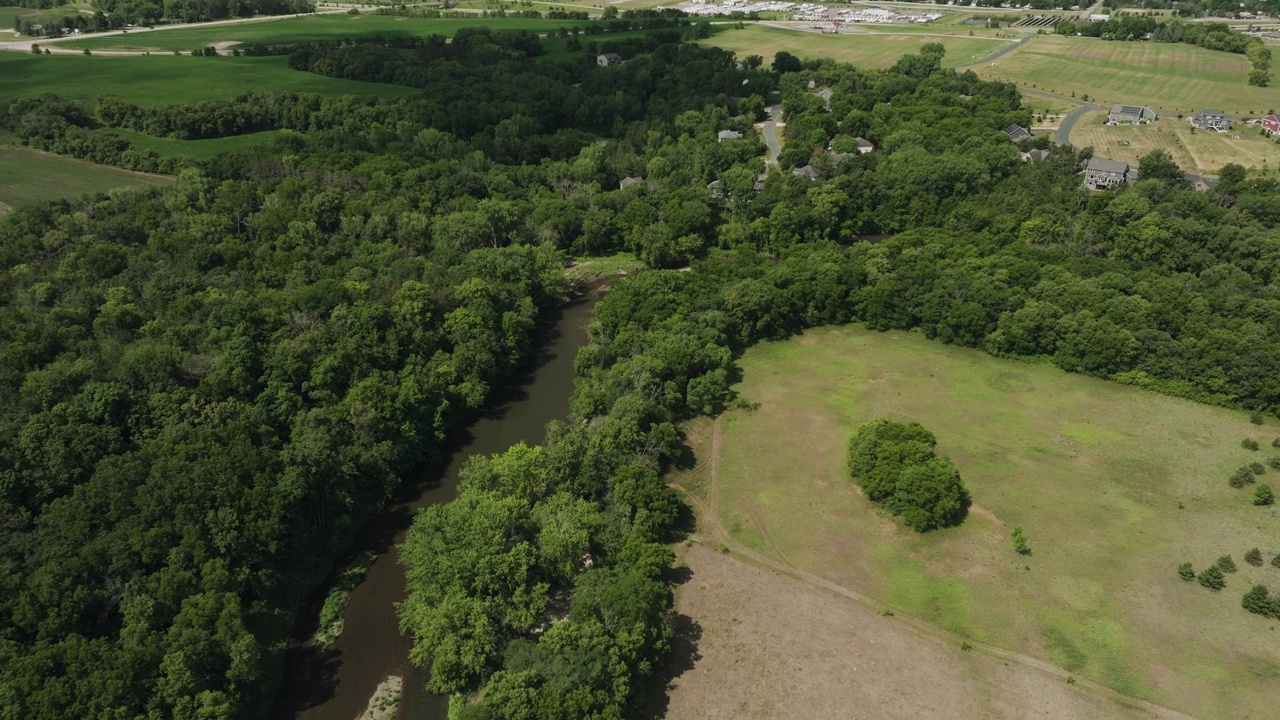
<point>896,465</point>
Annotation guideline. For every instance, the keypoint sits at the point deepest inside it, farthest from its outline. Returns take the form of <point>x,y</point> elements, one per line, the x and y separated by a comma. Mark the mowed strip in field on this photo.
<point>874,50</point>
<point>1173,78</point>
<point>1114,487</point>
<point>165,80</point>
<point>27,175</point>
<point>198,149</point>
<point>313,28</point>
<point>1199,151</point>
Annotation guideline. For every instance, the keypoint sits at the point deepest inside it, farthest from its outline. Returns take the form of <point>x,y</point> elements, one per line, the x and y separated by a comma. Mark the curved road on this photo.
<point>1064,130</point>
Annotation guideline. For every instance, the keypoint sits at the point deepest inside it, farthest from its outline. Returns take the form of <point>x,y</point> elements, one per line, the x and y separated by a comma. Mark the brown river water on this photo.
<point>336,683</point>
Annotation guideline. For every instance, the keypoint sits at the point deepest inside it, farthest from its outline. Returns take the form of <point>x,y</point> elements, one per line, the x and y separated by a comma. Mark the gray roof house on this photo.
<point>1035,156</point>
<point>864,146</point>
<point>629,181</point>
<point>1017,133</point>
<point>1200,183</point>
<point>761,179</point>
<point>1101,173</point>
<point>1215,120</point>
<point>808,171</point>
<point>728,135</point>
<point>607,59</point>
<point>1130,115</point>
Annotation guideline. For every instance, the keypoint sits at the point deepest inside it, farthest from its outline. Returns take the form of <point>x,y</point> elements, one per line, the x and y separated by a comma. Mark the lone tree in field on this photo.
<point>897,467</point>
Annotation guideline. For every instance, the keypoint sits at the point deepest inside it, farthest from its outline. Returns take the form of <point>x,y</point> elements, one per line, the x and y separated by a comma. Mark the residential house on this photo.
<point>607,59</point>
<point>1271,124</point>
<point>1017,133</point>
<point>1130,115</point>
<point>863,145</point>
<point>761,179</point>
<point>1035,156</point>
<point>1199,183</point>
<point>629,181</point>
<point>1214,120</point>
<point>808,171</point>
<point>1101,173</point>
<point>728,135</point>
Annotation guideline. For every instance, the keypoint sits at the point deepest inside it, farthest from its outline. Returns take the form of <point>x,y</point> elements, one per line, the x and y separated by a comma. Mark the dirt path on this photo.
<point>1046,679</point>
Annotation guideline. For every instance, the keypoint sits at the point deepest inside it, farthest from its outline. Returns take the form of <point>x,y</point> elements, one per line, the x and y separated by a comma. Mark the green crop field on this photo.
<point>310,28</point>
<point>27,175</point>
<point>863,49</point>
<point>198,149</point>
<point>165,79</point>
<point>1114,486</point>
<point>1172,78</point>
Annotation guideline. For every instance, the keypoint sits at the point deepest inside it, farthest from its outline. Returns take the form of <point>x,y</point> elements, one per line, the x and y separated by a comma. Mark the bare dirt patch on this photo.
<point>772,646</point>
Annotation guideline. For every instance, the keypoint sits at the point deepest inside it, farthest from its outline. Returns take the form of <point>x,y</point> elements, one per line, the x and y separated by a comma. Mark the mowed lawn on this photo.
<point>1114,487</point>
<point>27,175</point>
<point>862,49</point>
<point>166,79</point>
<point>312,28</point>
<point>1202,152</point>
<point>1173,78</point>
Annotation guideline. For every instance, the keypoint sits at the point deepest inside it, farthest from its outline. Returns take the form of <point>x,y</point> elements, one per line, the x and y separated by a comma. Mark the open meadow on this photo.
<point>1172,78</point>
<point>27,175</point>
<point>309,29</point>
<point>198,149</point>
<point>863,49</point>
<point>1114,486</point>
<point>165,79</point>
<point>1198,152</point>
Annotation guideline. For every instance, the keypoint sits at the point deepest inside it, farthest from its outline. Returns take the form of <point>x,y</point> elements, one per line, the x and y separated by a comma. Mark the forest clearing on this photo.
<point>29,175</point>
<point>1197,151</point>
<point>1115,487</point>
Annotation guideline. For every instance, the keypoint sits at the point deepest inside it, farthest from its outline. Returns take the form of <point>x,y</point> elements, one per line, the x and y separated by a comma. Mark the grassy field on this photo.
<point>1200,152</point>
<point>9,12</point>
<point>198,149</point>
<point>310,28</point>
<point>1113,485</point>
<point>27,175</point>
<point>162,80</point>
<point>1170,77</point>
<point>862,49</point>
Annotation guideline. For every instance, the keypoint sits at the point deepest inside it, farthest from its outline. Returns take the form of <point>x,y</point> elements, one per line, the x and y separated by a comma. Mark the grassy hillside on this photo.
<point>161,80</point>
<point>1172,77</point>
<point>863,49</point>
<point>311,28</point>
<point>1114,486</point>
<point>27,175</point>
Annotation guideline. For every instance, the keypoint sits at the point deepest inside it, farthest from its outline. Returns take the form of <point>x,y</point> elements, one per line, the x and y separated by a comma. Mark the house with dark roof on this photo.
<point>808,171</point>
<point>1035,156</point>
<point>1017,133</point>
<point>1199,183</point>
<point>607,59</point>
<point>1214,120</point>
<point>1271,124</point>
<point>1130,115</point>
<point>1101,173</point>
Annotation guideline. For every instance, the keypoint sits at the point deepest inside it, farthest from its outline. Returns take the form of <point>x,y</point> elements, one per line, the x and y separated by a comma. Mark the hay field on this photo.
<point>875,50</point>
<point>1114,486</point>
<point>1170,77</point>
<point>1198,152</point>
<point>165,79</point>
<point>28,175</point>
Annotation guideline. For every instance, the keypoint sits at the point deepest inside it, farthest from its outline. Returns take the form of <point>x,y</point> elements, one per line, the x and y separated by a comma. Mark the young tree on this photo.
<point>1226,564</point>
<point>1263,495</point>
<point>1212,578</point>
<point>1186,571</point>
<point>1247,443</point>
<point>1254,557</point>
<point>1022,548</point>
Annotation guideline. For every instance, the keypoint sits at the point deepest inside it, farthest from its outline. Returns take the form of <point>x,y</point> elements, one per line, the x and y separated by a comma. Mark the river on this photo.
<point>337,682</point>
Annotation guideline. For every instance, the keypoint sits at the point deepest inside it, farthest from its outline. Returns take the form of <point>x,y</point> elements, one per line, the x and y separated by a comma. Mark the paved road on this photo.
<point>770,131</point>
<point>1068,122</point>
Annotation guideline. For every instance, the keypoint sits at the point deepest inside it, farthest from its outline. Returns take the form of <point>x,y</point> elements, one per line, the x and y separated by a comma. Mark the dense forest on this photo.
<point>211,386</point>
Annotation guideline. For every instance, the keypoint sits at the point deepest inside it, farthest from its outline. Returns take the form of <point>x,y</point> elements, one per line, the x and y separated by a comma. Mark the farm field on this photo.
<point>27,175</point>
<point>1199,152</point>
<point>162,80</point>
<point>863,49</point>
<point>1113,485</point>
<point>307,29</point>
<point>1172,78</point>
<point>197,149</point>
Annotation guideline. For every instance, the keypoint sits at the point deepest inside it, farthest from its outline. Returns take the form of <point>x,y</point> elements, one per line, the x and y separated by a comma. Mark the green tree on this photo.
<point>1212,578</point>
<point>1263,495</point>
<point>1186,571</point>
<point>1226,564</point>
<point>1254,557</point>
